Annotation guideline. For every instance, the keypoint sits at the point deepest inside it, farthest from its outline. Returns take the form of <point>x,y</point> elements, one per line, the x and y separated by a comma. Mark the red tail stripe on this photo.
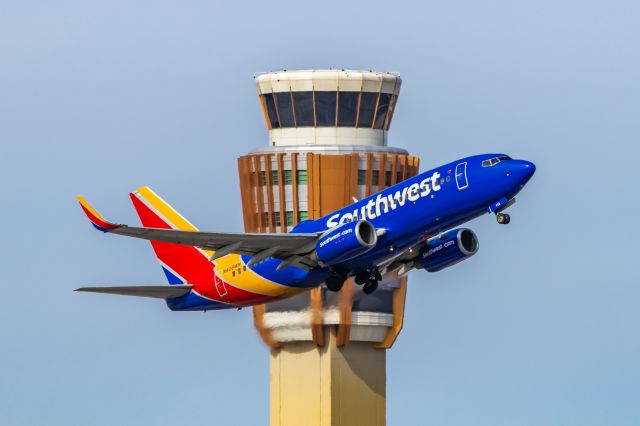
<point>189,263</point>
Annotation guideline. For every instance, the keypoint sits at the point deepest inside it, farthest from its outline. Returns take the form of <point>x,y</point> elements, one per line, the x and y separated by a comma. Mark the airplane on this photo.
<point>410,225</point>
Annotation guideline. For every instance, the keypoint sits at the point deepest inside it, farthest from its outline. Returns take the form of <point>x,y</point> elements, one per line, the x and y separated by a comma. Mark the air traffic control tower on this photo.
<point>327,143</point>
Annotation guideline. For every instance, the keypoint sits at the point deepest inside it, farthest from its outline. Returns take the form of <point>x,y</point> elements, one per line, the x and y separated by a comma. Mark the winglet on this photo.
<point>96,219</point>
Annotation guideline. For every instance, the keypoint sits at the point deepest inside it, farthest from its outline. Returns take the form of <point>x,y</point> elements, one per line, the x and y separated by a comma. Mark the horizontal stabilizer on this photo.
<point>156,291</point>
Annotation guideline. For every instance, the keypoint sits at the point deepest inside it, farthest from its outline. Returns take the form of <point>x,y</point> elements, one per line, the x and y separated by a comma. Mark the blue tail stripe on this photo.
<point>171,277</point>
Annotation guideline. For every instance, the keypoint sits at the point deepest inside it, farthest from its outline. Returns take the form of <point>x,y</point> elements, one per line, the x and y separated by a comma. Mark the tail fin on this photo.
<point>181,264</point>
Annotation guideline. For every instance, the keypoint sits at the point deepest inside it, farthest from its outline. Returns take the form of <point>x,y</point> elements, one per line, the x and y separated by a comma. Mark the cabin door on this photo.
<point>221,287</point>
<point>461,176</point>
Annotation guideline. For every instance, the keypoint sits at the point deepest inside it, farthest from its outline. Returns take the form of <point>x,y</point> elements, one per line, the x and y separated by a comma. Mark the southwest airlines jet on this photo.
<point>412,224</point>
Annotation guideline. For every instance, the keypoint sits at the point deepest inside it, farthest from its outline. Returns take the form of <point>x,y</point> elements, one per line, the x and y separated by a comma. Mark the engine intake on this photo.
<point>454,246</point>
<point>346,242</point>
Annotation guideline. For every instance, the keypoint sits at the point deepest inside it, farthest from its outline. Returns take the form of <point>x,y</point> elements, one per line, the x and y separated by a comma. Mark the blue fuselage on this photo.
<point>422,206</point>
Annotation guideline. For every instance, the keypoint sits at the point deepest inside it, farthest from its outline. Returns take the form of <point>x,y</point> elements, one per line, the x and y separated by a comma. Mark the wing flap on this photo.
<point>155,291</point>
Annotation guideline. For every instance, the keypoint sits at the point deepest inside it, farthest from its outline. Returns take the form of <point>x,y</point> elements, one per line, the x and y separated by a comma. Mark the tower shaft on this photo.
<point>327,145</point>
<point>328,385</point>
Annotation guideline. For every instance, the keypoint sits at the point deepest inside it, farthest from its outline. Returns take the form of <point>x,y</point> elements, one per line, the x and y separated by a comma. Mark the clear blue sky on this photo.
<point>98,98</point>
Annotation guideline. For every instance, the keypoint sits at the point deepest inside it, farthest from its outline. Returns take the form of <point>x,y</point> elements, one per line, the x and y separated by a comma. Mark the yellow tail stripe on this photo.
<point>176,219</point>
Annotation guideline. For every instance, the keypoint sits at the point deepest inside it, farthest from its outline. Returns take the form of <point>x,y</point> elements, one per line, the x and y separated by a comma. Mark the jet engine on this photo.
<point>346,242</point>
<point>452,247</point>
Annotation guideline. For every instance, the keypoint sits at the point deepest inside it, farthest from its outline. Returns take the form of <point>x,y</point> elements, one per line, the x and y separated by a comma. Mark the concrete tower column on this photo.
<point>327,144</point>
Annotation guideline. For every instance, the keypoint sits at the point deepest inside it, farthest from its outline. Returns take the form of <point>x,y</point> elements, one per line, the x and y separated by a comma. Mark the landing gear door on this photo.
<point>461,176</point>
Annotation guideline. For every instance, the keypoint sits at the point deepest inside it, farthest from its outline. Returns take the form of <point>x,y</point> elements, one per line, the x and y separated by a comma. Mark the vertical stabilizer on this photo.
<point>181,264</point>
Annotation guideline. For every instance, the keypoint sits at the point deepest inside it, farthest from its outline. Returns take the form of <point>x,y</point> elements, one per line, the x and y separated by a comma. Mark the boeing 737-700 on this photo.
<point>412,224</point>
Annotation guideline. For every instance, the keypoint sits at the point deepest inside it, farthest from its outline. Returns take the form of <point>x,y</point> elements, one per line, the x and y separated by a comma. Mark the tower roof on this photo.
<point>328,80</point>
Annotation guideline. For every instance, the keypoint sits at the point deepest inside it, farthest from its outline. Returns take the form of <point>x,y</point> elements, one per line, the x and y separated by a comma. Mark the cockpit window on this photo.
<point>493,161</point>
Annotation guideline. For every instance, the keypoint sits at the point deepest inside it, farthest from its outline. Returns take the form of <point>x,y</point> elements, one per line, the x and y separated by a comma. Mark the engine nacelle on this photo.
<point>345,242</point>
<point>454,246</point>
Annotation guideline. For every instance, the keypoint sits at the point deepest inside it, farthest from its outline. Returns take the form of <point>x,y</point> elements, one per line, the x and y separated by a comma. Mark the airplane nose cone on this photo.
<point>523,170</point>
<point>529,168</point>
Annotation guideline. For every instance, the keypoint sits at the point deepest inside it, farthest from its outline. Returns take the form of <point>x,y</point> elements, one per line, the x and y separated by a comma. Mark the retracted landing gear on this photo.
<point>369,278</point>
<point>503,218</point>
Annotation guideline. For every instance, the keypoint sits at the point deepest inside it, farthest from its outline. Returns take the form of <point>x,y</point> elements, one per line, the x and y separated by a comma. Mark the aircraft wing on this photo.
<point>291,248</point>
<point>403,261</point>
<point>155,291</point>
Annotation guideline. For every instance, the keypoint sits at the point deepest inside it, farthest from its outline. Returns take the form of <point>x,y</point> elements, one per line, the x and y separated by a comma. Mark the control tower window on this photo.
<point>375,177</point>
<point>362,177</point>
<point>289,218</point>
<point>303,102</point>
<point>392,107</point>
<point>288,178</point>
<point>283,101</point>
<point>347,108</point>
<point>326,108</point>
<point>381,111</point>
<point>367,109</point>
<point>271,110</point>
